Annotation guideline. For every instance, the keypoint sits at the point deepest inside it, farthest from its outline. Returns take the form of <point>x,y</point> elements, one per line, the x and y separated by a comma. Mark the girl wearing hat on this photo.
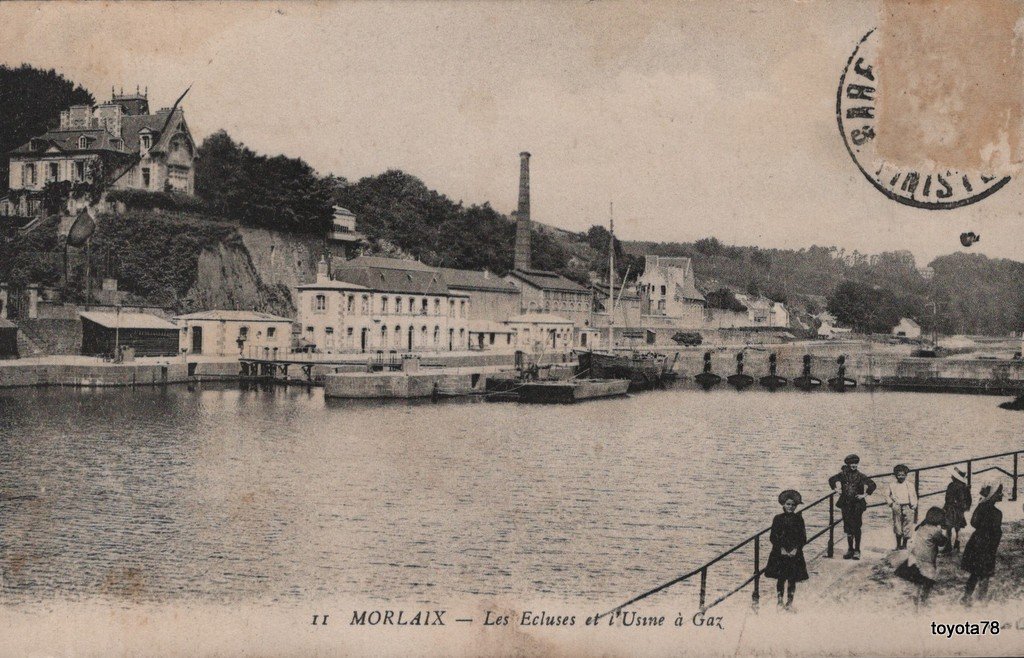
<point>958,501</point>
<point>979,558</point>
<point>786,560</point>
<point>920,565</point>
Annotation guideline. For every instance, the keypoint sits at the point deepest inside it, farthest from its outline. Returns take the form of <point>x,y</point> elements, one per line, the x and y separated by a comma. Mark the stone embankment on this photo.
<point>89,372</point>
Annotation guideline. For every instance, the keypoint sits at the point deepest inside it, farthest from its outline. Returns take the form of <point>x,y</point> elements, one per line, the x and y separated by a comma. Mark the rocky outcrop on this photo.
<point>226,278</point>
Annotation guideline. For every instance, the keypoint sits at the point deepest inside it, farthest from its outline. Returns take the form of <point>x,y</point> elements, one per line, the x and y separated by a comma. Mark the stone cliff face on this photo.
<point>227,279</point>
<point>209,264</point>
<point>280,258</point>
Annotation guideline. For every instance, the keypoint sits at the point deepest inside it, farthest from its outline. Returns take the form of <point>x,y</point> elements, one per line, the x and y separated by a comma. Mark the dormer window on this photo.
<point>146,141</point>
<point>118,144</point>
<point>83,142</point>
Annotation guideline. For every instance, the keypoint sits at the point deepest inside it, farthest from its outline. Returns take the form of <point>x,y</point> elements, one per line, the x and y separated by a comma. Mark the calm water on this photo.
<point>280,495</point>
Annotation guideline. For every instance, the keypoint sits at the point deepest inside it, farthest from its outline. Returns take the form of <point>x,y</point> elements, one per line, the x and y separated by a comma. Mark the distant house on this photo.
<point>106,332</point>
<point>543,332</point>
<point>907,328</point>
<point>343,237</point>
<point>233,333</point>
<point>763,312</point>
<point>669,288</point>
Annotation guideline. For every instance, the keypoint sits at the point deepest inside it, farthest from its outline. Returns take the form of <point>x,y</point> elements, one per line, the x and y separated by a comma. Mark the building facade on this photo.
<point>763,312</point>
<point>109,135</point>
<point>668,288</point>
<point>370,304</point>
<point>548,292</point>
<point>234,333</point>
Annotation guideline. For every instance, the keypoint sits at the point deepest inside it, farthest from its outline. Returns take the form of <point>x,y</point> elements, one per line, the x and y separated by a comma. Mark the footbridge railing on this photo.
<point>752,546</point>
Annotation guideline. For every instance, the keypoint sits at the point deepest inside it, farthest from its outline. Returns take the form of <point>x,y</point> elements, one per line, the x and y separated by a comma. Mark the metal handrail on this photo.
<point>829,528</point>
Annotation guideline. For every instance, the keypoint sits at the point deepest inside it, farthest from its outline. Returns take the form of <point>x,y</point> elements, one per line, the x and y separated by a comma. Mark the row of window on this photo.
<point>52,172</point>
<point>402,305</point>
<point>408,338</point>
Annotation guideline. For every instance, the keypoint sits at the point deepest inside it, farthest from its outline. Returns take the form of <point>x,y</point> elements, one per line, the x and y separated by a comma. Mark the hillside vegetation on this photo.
<point>155,249</point>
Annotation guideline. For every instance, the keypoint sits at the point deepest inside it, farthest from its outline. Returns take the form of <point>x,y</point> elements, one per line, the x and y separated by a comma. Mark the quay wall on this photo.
<point>35,373</point>
<point>891,367</point>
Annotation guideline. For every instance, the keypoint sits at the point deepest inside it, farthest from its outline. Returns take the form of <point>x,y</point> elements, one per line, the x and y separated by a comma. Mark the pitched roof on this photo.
<point>126,320</point>
<point>400,275</point>
<point>388,263</point>
<point>133,124</point>
<point>687,290</point>
<point>620,292</point>
<point>67,140</point>
<point>387,279</point>
<point>331,285</point>
<point>229,315</point>
<point>473,280</point>
<point>548,281</point>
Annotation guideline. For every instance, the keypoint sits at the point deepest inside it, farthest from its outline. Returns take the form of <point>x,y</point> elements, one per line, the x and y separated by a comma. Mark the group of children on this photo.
<point>940,530</point>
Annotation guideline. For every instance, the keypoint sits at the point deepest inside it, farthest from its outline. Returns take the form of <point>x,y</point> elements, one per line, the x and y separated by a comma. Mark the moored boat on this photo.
<point>643,370</point>
<point>570,390</point>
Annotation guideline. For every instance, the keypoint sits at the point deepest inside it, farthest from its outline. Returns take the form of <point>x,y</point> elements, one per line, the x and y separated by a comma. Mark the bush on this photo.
<point>146,200</point>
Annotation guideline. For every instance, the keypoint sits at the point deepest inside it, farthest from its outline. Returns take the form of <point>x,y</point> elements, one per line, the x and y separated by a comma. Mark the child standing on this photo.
<point>853,487</point>
<point>903,501</point>
<point>788,536</point>
<point>958,501</point>
<point>980,552</point>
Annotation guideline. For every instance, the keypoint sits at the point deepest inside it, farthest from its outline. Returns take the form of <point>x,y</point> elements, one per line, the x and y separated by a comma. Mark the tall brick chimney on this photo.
<point>522,250</point>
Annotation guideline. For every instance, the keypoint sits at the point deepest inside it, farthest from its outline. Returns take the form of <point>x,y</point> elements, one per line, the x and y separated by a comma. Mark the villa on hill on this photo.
<point>121,130</point>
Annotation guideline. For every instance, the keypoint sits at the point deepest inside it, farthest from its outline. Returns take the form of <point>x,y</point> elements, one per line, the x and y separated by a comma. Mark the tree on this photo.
<point>269,192</point>
<point>724,298</point>
<point>865,307</point>
<point>32,100</point>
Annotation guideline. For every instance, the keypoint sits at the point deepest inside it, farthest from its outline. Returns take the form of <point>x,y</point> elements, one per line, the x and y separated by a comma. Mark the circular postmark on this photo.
<point>855,112</point>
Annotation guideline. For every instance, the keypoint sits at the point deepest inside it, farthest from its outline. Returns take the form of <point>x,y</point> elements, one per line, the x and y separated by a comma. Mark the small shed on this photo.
<point>8,339</point>
<point>907,328</point>
<point>103,332</point>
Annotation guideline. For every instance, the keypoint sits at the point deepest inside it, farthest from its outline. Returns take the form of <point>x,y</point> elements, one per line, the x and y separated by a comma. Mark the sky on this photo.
<point>701,119</point>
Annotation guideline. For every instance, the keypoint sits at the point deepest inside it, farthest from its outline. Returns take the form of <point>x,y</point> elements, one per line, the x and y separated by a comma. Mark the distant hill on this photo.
<point>973,294</point>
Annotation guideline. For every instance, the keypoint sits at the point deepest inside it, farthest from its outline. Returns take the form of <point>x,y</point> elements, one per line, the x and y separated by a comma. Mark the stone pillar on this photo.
<point>33,301</point>
<point>4,300</point>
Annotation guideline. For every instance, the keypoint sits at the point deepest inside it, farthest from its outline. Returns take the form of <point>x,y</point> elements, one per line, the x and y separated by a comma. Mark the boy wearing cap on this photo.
<point>853,487</point>
<point>903,501</point>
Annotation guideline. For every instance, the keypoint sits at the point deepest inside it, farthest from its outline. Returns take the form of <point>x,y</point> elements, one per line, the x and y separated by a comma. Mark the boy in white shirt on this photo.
<point>903,501</point>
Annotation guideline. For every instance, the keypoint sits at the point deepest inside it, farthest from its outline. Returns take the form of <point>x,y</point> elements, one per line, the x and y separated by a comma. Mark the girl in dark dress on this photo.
<point>958,501</point>
<point>786,561</point>
<point>979,558</point>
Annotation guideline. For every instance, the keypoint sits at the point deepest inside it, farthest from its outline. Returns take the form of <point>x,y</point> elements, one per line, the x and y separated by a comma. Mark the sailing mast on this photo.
<point>611,274</point>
